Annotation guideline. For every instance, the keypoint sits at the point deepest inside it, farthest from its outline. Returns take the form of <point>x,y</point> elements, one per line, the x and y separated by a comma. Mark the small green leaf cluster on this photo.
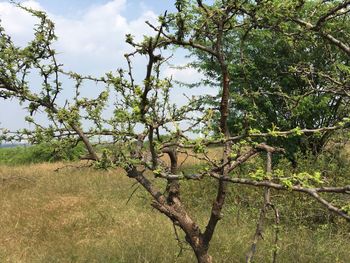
<point>303,179</point>
<point>258,175</point>
<point>297,131</point>
<point>346,208</point>
<point>199,147</point>
<point>254,131</point>
<point>70,115</point>
<point>273,131</point>
<point>104,162</point>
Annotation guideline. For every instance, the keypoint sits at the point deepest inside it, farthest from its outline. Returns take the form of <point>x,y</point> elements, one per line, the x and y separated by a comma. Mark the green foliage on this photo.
<point>44,152</point>
<point>258,175</point>
<point>104,162</point>
<point>199,147</point>
<point>346,208</point>
<point>259,51</point>
<point>277,69</point>
<point>303,179</point>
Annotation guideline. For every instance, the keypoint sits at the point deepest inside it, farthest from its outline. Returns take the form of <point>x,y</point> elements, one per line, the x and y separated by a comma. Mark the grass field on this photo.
<point>83,215</point>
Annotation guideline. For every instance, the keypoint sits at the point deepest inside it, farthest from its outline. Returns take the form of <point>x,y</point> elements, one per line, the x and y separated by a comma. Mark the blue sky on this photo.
<point>90,32</point>
<point>91,36</point>
<point>133,8</point>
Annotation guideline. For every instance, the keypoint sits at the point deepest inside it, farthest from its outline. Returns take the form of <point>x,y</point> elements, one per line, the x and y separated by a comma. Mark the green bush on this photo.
<point>44,152</point>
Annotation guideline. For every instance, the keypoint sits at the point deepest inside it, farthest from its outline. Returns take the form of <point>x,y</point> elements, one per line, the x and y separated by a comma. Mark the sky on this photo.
<point>91,36</point>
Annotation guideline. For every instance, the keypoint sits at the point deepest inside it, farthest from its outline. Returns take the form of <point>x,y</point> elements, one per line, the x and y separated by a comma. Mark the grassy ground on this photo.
<point>82,215</point>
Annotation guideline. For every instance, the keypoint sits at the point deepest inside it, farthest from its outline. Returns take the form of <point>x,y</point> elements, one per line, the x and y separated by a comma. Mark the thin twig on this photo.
<point>133,192</point>
<point>277,230</point>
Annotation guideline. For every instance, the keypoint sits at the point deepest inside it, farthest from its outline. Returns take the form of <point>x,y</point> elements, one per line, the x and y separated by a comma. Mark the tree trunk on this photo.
<point>203,256</point>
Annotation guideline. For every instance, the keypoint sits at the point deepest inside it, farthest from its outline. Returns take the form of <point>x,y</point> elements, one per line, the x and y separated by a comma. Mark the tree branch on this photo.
<point>310,191</point>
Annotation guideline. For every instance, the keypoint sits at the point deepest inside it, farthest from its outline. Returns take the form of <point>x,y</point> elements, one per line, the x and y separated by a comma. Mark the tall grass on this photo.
<point>83,215</point>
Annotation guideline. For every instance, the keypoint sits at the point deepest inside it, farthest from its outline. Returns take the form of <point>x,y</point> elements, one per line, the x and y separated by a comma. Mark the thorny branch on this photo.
<point>142,111</point>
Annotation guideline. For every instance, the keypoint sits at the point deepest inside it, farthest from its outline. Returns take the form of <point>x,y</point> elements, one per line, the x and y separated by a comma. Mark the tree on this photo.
<point>279,78</point>
<point>146,126</point>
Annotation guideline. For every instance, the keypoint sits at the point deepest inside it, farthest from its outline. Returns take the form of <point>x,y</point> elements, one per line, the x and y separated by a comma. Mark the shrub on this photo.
<point>44,152</point>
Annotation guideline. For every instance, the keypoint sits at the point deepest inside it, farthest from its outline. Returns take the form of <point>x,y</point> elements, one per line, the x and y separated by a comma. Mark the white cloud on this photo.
<point>17,22</point>
<point>91,43</point>
<point>109,10</point>
<point>94,32</point>
<point>187,75</point>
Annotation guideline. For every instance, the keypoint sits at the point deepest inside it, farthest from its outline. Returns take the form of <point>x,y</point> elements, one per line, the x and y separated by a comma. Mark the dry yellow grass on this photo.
<point>81,215</point>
